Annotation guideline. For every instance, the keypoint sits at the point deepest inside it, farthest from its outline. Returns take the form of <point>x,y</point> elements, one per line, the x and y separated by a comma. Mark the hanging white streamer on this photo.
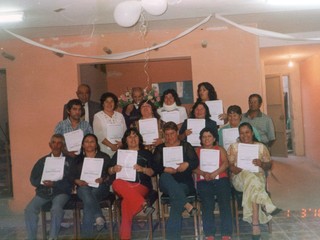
<point>264,33</point>
<point>116,56</point>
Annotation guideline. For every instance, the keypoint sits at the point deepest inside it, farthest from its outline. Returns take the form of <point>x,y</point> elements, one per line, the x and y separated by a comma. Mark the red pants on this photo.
<point>133,197</point>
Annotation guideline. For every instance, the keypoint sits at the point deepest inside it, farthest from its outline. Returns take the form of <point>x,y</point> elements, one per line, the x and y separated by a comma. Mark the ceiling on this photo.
<point>50,18</point>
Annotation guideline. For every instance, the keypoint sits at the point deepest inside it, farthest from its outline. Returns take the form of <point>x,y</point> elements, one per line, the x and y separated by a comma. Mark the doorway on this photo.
<point>5,156</point>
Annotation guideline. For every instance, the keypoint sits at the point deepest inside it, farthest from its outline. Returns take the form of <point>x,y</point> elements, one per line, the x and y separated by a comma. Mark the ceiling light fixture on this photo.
<point>9,17</point>
<point>293,2</point>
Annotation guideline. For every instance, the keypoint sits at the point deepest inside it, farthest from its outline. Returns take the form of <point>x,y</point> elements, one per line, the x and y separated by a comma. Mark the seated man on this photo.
<point>58,192</point>
<point>176,182</point>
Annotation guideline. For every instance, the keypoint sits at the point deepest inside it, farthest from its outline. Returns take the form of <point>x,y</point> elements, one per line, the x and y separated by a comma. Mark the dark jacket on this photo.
<point>189,155</point>
<point>60,187</point>
<point>144,160</point>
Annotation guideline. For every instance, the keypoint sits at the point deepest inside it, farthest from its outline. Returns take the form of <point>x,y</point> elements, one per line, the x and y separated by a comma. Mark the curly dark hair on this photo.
<point>246,124</point>
<point>153,108</point>
<point>174,95</point>
<point>128,133</point>
<point>106,95</point>
<point>192,115</point>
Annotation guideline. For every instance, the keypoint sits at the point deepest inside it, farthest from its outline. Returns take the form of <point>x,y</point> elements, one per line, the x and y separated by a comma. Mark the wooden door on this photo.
<point>275,109</point>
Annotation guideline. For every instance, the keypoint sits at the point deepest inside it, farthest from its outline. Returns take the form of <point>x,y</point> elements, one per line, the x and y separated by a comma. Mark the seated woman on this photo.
<point>91,196</point>
<point>170,102</point>
<point>257,205</point>
<point>176,182</point>
<point>199,110</point>
<point>234,114</point>
<point>211,184</point>
<point>147,111</point>
<point>133,193</point>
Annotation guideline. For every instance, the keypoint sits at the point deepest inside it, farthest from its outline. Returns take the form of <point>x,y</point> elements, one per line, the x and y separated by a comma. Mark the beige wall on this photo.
<point>310,85</point>
<point>296,103</point>
<point>39,83</point>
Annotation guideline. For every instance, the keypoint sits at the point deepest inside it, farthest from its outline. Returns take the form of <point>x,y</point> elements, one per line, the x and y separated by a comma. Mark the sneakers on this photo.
<point>100,223</point>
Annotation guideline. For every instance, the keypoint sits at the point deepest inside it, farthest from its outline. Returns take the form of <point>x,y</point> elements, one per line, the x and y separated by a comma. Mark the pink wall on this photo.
<point>39,83</point>
<point>310,85</point>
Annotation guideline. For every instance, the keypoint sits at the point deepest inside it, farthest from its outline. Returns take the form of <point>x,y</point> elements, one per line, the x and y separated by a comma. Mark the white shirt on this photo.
<point>100,122</point>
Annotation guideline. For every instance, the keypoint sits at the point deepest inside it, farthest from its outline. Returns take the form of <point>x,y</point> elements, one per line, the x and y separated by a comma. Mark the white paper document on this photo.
<point>172,116</point>
<point>91,170</point>
<point>246,153</point>
<point>127,159</point>
<point>196,125</point>
<point>229,136</point>
<point>172,156</point>
<point>215,109</point>
<point>73,140</point>
<point>114,132</point>
<point>209,160</point>
<point>148,128</point>
<point>53,169</point>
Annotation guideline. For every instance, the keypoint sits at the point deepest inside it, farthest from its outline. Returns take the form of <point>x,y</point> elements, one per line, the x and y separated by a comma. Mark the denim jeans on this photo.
<point>31,214</point>
<point>91,197</point>
<point>207,190</point>
<point>177,193</point>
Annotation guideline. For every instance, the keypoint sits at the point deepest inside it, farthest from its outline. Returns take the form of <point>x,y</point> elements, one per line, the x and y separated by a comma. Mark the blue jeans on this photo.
<point>177,193</point>
<point>31,214</point>
<point>91,197</point>
<point>207,190</point>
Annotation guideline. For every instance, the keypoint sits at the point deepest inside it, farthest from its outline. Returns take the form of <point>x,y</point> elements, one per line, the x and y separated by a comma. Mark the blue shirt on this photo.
<point>65,127</point>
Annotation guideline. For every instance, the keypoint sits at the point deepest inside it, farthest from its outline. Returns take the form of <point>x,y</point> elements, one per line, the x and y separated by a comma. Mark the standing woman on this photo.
<point>257,205</point>
<point>170,101</point>
<point>108,124</point>
<point>206,92</point>
<point>91,196</point>
<point>208,187</point>
<point>133,193</point>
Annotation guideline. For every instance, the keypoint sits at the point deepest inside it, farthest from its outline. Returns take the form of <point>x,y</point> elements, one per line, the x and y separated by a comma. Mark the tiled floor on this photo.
<point>293,184</point>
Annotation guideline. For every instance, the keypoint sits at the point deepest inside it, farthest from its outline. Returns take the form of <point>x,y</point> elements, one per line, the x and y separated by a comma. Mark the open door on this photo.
<point>275,109</point>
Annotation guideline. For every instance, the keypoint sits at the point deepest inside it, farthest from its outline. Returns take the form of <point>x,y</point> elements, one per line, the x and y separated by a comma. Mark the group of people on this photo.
<point>106,132</point>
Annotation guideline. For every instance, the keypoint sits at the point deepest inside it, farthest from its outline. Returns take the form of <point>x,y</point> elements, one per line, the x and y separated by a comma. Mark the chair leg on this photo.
<point>44,224</point>
<point>163,222</point>
<point>237,217</point>
<point>195,221</point>
<point>270,226</point>
<point>111,222</point>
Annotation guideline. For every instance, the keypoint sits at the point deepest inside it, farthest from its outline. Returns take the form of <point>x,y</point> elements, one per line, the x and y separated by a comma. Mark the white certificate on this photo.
<point>246,153</point>
<point>215,109</point>
<point>91,170</point>
<point>229,136</point>
<point>114,132</point>
<point>53,169</point>
<point>172,116</point>
<point>209,160</point>
<point>172,156</point>
<point>148,128</point>
<point>196,125</point>
<point>74,140</point>
<point>127,159</point>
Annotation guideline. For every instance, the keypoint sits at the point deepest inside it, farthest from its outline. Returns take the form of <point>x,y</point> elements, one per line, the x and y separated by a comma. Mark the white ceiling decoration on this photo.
<point>43,18</point>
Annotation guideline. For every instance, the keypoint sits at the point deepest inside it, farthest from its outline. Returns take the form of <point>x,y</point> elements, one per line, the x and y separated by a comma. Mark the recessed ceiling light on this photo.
<point>10,17</point>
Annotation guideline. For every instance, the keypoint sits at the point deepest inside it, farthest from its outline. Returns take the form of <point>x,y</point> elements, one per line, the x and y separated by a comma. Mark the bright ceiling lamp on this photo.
<point>10,17</point>
<point>293,2</point>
